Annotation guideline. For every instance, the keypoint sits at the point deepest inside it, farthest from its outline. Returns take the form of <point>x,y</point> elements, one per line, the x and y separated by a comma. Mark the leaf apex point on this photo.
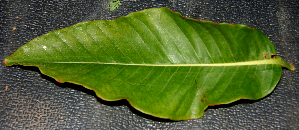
<point>4,62</point>
<point>293,67</point>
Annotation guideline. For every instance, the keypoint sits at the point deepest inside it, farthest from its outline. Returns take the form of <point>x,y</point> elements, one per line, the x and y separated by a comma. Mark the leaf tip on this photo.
<point>283,63</point>
<point>8,62</point>
<point>292,67</point>
<point>4,62</point>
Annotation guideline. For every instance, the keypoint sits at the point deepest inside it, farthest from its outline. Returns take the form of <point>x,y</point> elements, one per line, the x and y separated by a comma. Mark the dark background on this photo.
<point>30,100</point>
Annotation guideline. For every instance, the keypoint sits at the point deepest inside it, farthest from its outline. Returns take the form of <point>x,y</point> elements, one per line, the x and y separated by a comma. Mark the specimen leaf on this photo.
<point>163,64</point>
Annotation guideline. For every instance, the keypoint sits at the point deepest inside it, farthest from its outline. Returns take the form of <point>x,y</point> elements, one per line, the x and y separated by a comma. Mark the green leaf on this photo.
<point>163,64</point>
<point>114,4</point>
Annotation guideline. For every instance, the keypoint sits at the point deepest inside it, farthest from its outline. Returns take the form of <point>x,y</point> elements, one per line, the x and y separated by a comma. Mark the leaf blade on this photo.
<point>163,64</point>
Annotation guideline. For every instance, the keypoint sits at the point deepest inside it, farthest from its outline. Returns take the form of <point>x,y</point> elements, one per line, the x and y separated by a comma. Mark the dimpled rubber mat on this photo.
<point>31,100</point>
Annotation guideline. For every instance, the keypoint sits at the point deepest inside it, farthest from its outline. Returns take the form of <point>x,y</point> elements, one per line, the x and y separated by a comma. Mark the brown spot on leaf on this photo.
<point>201,99</point>
<point>196,84</point>
<point>204,95</point>
<point>251,76</point>
<point>266,55</point>
<point>58,80</point>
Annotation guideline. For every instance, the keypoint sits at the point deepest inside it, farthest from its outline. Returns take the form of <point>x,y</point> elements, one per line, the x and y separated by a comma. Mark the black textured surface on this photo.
<point>30,100</point>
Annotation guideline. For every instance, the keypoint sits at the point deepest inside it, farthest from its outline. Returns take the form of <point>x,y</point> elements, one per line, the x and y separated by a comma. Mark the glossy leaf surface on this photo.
<point>163,64</point>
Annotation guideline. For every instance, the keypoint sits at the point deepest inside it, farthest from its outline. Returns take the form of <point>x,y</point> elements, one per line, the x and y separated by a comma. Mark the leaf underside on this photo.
<point>163,64</point>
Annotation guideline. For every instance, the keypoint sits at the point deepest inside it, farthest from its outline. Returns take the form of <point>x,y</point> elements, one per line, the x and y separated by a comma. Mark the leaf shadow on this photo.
<point>122,102</point>
<point>126,103</point>
<point>238,102</point>
<point>80,88</point>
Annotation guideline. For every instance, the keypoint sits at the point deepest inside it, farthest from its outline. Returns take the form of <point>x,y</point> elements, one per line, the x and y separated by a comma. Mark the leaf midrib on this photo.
<point>257,62</point>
